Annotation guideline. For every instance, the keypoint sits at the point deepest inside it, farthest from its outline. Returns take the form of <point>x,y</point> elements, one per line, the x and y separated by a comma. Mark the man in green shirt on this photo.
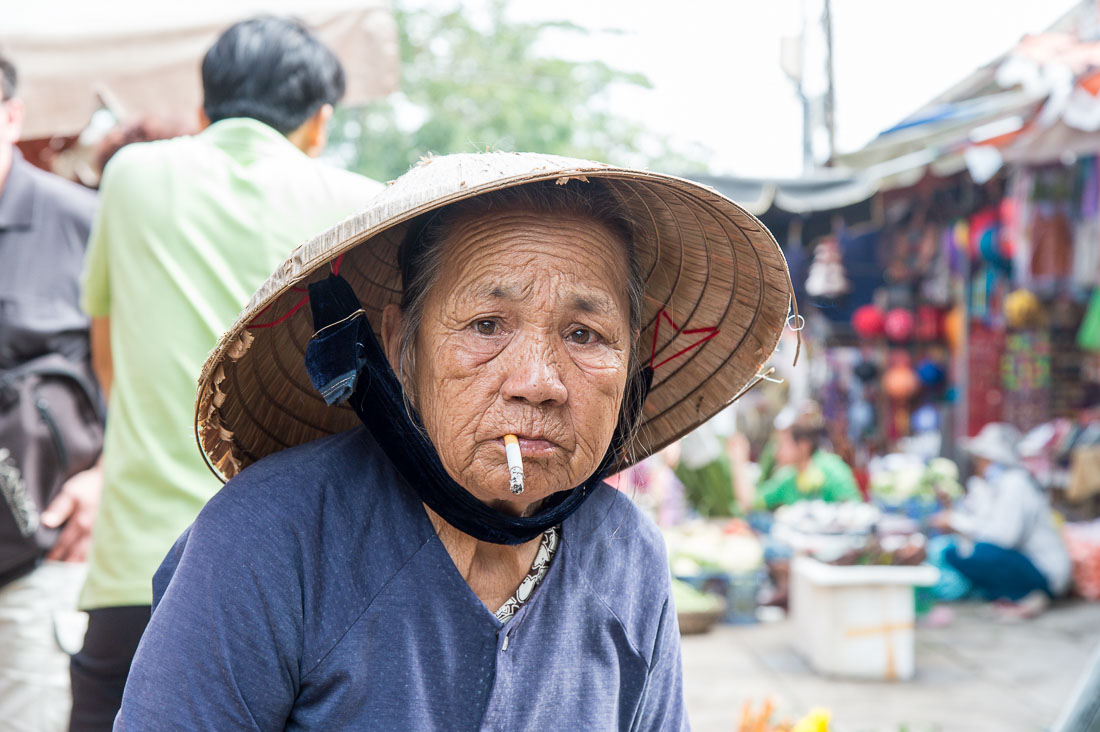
<point>804,471</point>
<point>186,231</point>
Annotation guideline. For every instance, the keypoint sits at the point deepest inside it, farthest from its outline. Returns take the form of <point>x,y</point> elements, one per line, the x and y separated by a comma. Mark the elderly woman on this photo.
<point>417,571</point>
<point>1006,542</point>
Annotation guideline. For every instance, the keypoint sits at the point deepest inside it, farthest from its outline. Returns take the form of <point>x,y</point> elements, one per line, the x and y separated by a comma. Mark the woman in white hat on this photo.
<point>1011,549</point>
<point>384,557</point>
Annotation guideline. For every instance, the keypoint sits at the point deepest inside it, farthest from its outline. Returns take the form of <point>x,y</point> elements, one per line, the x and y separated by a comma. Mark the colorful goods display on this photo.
<point>1023,310</point>
<point>825,531</point>
<point>899,325</point>
<point>899,480</point>
<point>900,382</point>
<point>826,279</point>
<point>1025,378</point>
<point>1083,542</point>
<point>720,558</point>
<point>696,611</point>
<point>954,327</point>
<point>986,393</point>
<point>868,321</point>
<point>929,323</point>
<point>818,720</point>
<point>930,372</point>
<point>700,547</point>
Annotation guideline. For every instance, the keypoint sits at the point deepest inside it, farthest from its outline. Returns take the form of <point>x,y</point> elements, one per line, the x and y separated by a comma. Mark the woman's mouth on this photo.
<point>534,447</point>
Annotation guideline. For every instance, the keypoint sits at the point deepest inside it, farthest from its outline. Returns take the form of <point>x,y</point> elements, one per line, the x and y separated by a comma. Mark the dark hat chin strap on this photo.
<point>346,362</point>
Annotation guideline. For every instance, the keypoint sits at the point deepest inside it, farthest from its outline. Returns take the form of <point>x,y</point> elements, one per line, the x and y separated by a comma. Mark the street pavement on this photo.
<point>976,674</point>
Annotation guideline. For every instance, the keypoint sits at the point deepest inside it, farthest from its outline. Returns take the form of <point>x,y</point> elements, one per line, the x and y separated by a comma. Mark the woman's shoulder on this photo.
<point>333,487</point>
<point>615,543</point>
<point>619,557</point>
<point>303,473</point>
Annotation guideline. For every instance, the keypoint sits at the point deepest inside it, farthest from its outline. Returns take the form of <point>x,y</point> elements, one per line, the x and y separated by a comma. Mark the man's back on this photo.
<point>187,230</point>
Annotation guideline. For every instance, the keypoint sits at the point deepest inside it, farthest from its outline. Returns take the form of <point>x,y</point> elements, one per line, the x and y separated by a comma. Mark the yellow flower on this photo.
<point>816,721</point>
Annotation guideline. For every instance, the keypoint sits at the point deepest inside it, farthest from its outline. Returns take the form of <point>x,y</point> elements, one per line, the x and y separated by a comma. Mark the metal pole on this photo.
<point>830,100</point>
<point>807,131</point>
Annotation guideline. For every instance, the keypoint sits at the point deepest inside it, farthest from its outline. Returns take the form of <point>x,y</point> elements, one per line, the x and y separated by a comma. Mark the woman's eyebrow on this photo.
<point>498,292</point>
<point>593,303</point>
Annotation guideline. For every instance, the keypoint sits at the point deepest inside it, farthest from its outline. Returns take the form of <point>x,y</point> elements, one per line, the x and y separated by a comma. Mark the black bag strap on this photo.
<point>54,364</point>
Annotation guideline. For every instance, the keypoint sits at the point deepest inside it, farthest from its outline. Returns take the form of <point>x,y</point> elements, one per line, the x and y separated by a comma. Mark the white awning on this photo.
<point>143,57</point>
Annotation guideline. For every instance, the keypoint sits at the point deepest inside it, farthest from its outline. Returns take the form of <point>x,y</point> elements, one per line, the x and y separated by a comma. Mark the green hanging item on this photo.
<point>1088,336</point>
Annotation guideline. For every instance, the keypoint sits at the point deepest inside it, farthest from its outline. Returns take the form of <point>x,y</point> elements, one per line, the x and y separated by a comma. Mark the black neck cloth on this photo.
<point>346,362</point>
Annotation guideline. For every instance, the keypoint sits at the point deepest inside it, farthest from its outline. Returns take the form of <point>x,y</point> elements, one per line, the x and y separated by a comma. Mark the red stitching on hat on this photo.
<point>335,265</point>
<point>281,319</point>
<point>712,331</point>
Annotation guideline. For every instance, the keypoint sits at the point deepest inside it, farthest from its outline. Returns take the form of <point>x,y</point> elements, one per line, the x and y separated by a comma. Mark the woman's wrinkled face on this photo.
<point>526,332</point>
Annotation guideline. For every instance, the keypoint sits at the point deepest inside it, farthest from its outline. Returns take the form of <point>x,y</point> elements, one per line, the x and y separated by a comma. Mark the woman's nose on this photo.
<point>533,374</point>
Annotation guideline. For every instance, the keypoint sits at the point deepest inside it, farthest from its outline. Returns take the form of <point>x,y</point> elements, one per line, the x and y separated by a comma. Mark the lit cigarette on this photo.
<point>515,463</point>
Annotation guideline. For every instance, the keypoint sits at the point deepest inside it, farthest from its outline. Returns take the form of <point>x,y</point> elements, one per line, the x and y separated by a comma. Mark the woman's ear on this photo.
<point>391,336</point>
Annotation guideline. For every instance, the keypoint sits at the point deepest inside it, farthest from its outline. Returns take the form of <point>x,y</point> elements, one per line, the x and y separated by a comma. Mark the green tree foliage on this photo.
<point>469,86</point>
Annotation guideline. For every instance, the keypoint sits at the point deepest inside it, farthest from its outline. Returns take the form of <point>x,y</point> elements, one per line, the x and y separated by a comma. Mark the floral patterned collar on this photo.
<point>548,547</point>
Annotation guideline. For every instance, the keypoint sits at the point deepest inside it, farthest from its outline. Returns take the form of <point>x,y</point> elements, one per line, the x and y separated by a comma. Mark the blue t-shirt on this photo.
<point>313,593</point>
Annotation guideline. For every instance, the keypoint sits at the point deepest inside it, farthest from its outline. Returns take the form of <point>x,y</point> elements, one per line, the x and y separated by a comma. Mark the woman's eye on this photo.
<point>487,327</point>
<point>582,336</point>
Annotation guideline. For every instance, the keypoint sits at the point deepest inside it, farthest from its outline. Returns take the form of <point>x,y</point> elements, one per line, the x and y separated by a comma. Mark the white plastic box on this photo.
<point>856,621</point>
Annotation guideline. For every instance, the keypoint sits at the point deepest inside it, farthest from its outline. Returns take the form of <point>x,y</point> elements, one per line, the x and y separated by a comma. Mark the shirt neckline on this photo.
<point>467,592</point>
<point>249,134</point>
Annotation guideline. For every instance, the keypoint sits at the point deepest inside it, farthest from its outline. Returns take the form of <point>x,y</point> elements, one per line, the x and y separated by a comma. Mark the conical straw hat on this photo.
<point>717,296</point>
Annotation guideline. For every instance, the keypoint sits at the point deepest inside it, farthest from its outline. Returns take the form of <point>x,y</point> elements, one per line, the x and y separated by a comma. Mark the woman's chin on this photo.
<point>515,506</point>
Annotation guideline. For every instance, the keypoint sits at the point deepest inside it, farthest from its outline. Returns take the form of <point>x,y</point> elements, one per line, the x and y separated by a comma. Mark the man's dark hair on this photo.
<point>272,70</point>
<point>8,79</point>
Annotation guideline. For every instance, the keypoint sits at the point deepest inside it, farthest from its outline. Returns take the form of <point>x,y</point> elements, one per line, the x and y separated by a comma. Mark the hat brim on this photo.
<point>984,448</point>
<point>717,295</point>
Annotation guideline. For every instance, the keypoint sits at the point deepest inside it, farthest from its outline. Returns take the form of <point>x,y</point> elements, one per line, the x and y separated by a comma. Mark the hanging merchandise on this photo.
<point>1017,227</point>
<point>1086,235</point>
<point>954,324</point>
<point>1025,375</point>
<point>1088,335</point>
<point>1067,383</point>
<point>930,373</point>
<point>985,394</point>
<point>988,264</point>
<point>960,245</point>
<point>861,418</point>
<point>1051,237</point>
<point>899,266</point>
<point>899,325</point>
<point>1008,215</point>
<point>1051,241</point>
<point>935,288</point>
<point>826,279</point>
<point>989,249</point>
<point>866,371</point>
<point>1023,310</point>
<point>981,224</point>
<point>929,323</point>
<point>868,321</point>
<point>900,382</point>
<point>926,418</point>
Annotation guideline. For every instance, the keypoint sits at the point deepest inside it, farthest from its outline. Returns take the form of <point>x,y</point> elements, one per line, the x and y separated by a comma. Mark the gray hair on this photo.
<point>420,260</point>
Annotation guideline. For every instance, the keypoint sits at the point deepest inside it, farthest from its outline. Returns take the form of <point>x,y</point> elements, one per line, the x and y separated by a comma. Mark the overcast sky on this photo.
<point>717,80</point>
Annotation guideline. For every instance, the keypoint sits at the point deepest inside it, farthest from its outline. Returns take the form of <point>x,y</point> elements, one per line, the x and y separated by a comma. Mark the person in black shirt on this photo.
<point>44,225</point>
